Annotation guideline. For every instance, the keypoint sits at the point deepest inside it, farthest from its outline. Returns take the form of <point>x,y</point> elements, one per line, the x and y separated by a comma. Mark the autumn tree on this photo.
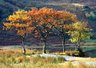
<point>64,24</point>
<point>41,19</point>
<point>19,22</point>
<point>80,32</point>
<point>45,19</point>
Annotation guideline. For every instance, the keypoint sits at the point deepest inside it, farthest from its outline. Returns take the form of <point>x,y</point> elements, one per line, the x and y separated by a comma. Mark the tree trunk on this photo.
<point>78,42</point>
<point>63,44</point>
<point>78,45</point>
<point>75,46</point>
<point>81,53</point>
<point>23,47</point>
<point>44,46</point>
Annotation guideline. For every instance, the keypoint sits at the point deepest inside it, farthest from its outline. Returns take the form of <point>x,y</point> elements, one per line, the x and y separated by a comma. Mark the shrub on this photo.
<point>72,53</point>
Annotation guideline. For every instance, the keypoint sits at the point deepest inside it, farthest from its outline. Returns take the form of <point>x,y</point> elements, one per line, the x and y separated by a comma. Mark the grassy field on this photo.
<point>88,49</point>
<point>13,58</point>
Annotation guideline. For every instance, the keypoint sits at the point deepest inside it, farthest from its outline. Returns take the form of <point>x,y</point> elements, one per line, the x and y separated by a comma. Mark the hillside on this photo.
<point>9,6</point>
<point>84,9</point>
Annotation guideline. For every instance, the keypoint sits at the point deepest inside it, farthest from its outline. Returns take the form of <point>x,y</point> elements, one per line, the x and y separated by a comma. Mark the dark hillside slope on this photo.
<point>79,7</point>
<point>9,6</point>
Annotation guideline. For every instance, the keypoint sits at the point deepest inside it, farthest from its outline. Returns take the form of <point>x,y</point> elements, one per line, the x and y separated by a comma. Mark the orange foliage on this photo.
<point>19,21</point>
<point>49,18</point>
<point>39,20</point>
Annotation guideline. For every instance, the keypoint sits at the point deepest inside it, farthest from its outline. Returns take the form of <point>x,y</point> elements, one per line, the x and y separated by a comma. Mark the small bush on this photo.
<point>72,53</point>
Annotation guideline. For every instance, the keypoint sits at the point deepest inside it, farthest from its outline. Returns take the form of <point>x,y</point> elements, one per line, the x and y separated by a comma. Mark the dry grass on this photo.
<point>15,59</point>
<point>70,53</point>
<point>69,64</point>
<point>86,59</point>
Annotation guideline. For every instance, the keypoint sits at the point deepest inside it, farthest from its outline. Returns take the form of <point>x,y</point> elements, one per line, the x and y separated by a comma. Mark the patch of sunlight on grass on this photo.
<point>86,59</point>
